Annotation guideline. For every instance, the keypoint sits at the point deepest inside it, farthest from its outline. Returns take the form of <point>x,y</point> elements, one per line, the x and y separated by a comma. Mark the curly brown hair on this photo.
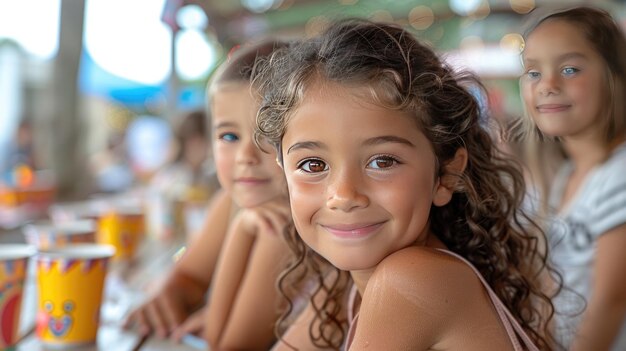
<point>484,222</point>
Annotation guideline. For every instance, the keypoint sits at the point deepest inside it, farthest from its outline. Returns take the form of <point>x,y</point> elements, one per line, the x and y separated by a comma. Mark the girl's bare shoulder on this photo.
<point>427,259</point>
<point>434,293</point>
<point>427,273</point>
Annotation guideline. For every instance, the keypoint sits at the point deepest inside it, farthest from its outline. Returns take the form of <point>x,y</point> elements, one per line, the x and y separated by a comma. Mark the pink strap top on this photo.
<point>512,327</point>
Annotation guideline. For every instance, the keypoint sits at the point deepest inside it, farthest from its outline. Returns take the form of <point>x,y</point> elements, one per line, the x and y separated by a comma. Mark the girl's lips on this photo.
<point>251,181</point>
<point>552,108</point>
<point>352,231</point>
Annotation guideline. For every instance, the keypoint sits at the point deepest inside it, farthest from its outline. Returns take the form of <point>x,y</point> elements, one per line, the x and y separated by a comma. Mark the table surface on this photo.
<point>125,288</point>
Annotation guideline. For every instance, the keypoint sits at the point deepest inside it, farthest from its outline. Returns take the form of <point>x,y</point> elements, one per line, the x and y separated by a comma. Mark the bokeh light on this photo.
<point>195,55</point>
<point>522,6</point>
<point>33,24</point>
<point>464,7</point>
<point>421,17</point>
<point>315,25</point>
<point>128,39</point>
<point>191,17</point>
<point>512,42</point>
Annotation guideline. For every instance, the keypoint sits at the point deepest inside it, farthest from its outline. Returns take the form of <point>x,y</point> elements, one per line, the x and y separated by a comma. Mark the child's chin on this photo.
<point>249,202</point>
<point>348,265</point>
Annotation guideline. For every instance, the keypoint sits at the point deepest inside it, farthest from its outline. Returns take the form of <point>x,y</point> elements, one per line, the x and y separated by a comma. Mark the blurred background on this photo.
<point>91,90</point>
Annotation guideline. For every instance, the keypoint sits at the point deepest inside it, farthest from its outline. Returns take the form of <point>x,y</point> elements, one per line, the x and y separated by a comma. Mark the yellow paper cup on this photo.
<point>71,283</point>
<point>13,270</point>
<point>124,230</point>
<point>47,234</point>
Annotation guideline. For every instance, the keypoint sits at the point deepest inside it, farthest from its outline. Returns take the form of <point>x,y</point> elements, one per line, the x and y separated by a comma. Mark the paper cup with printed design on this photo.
<point>122,228</point>
<point>48,234</point>
<point>13,269</point>
<point>70,282</point>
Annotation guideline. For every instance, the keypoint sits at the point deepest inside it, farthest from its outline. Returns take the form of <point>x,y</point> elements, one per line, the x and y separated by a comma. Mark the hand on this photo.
<point>166,311</point>
<point>192,325</point>
<point>268,218</point>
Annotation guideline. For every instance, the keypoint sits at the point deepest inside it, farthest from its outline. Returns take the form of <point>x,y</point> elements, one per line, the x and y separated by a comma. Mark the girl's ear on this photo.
<point>447,183</point>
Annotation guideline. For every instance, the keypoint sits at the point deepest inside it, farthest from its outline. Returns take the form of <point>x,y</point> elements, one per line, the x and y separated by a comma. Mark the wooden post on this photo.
<point>66,126</point>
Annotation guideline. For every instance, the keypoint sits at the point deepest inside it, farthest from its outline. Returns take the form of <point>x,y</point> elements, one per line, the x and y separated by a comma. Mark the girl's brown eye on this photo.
<point>382,162</point>
<point>313,166</point>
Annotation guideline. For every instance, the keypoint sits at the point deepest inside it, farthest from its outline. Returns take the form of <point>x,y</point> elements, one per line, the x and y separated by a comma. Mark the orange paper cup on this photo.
<point>124,230</point>
<point>13,269</point>
<point>71,283</point>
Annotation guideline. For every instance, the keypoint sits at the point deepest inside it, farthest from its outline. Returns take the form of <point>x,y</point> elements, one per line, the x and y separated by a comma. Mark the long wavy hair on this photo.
<point>544,153</point>
<point>483,222</point>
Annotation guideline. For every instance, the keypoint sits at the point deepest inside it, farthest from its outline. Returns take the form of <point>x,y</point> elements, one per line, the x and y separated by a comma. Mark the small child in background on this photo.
<point>252,194</point>
<point>393,180</point>
<point>574,92</point>
<point>111,168</point>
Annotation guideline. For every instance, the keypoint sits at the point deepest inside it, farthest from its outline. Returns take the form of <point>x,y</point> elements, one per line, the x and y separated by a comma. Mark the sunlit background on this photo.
<point>84,73</point>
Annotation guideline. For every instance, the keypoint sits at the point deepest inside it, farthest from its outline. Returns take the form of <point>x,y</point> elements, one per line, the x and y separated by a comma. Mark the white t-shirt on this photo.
<point>598,206</point>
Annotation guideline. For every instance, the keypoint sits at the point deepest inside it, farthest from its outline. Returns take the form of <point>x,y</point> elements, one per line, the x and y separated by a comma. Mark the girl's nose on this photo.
<point>549,84</point>
<point>345,193</point>
<point>248,153</point>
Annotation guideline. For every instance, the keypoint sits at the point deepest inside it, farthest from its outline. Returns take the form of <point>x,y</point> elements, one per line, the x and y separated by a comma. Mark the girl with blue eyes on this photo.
<point>393,181</point>
<point>574,92</point>
<point>243,302</point>
<point>239,251</point>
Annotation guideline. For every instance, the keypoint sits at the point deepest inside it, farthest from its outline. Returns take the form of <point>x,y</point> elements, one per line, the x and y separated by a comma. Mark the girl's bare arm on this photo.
<point>606,309</point>
<point>243,305</point>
